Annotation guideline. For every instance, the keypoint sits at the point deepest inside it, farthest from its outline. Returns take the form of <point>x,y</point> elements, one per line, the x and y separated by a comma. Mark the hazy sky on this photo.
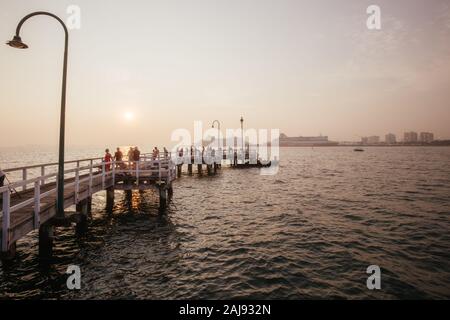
<point>305,67</point>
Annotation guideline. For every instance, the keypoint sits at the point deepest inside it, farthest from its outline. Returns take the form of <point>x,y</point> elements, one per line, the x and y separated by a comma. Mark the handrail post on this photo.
<point>137,172</point>
<point>24,178</point>
<point>77,184</point>
<point>37,204</point>
<point>159,168</point>
<point>6,222</point>
<point>114,172</point>
<point>103,175</point>
<point>42,174</point>
<point>169,174</point>
<point>90,178</point>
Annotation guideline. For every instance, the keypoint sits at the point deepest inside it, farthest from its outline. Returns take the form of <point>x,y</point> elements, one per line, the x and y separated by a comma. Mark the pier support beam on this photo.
<point>190,168</point>
<point>215,167</point>
<point>179,168</point>
<point>162,198</point>
<point>109,199</point>
<point>209,169</point>
<point>46,234</point>
<point>170,192</point>
<point>199,169</point>
<point>82,219</point>
<point>89,206</point>
<point>10,254</point>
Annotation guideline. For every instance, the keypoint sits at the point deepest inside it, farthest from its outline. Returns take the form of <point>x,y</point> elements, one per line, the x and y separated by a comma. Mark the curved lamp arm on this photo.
<point>216,121</point>
<point>37,13</point>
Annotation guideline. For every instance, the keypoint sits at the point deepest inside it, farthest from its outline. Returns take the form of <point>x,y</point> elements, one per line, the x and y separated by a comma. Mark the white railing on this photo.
<point>161,169</point>
<point>25,170</point>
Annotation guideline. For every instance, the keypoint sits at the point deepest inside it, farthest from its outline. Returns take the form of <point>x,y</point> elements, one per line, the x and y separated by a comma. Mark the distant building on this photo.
<point>373,140</point>
<point>410,137</point>
<point>426,137</point>
<point>390,138</point>
<point>364,140</point>
<point>286,141</point>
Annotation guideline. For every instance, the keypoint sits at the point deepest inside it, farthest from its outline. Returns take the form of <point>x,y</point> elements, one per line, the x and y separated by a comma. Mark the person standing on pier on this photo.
<point>137,154</point>
<point>155,153</point>
<point>107,159</point>
<point>118,156</point>
<point>166,153</point>
<point>130,156</point>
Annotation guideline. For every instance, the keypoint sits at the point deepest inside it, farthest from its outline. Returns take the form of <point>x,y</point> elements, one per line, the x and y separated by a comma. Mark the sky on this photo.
<point>138,70</point>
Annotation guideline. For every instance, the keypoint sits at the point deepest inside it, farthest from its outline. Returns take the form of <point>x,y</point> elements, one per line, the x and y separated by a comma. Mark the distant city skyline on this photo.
<point>388,135</point>
<point>390,138</point>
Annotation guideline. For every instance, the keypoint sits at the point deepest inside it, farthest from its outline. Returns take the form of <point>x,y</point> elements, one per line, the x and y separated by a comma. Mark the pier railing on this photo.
<point>45,174</point>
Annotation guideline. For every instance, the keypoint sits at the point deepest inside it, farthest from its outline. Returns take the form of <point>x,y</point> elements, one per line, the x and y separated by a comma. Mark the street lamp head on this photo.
<point>216,122</point>
<point>17,43</point>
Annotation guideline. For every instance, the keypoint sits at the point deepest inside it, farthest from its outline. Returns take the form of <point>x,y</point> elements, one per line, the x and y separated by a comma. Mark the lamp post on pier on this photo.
<point>17,43</point>
<point>219,149</point>
<point>242,137</point>
<point>218,133</point>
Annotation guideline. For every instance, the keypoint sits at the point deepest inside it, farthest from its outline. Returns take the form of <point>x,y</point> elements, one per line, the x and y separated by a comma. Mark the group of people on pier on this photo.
<point>156,153</point>
<point>207,154</point>
<point>133,155</point>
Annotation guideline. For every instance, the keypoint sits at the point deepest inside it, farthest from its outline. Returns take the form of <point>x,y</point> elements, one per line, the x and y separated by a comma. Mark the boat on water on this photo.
<point>358,150</point>
<point>259,164</point>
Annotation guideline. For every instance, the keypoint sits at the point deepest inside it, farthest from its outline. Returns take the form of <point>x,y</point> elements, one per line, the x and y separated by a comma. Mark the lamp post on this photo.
<point>242,137</point>
<point>17,43</point>
<point>218,133</point>
<point>219,150</point>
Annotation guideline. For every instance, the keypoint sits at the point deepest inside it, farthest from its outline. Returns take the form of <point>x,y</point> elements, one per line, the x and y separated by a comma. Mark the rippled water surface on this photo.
<point>308,232</point>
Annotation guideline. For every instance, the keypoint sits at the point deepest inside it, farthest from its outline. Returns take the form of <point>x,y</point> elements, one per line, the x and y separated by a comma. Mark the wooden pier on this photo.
<point>29,204</point>
<point>33,206</point>
<point>213,160</point>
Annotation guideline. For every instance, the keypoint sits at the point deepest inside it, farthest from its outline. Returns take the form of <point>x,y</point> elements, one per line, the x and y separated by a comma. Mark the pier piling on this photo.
<point>162,198</point>
<point>109,198</point>
<point>170,192</point>
<point>46,234</point>
<point>82,219</point>
<point>10,254</point>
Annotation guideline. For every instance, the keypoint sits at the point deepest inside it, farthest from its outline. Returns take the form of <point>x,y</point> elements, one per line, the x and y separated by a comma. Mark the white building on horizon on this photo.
<point>390,138</point>
<point>410,137</point>
<point>426,137</point>
<point>373,139</point>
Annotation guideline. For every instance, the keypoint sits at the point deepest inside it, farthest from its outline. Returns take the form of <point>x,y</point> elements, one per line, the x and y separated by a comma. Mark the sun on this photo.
<point>128,116</point>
